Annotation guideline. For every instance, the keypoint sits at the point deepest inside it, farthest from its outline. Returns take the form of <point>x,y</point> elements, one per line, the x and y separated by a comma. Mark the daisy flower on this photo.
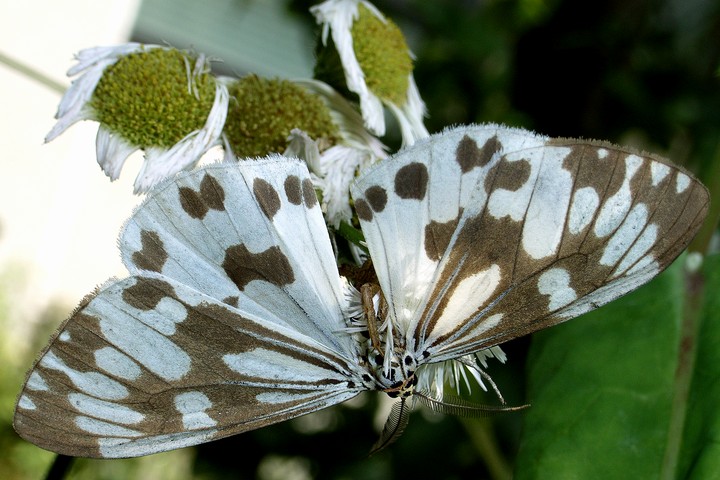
<point>146,97</point>
<point>305,119</point>
<point>375,62</point>
<point>334,168</point>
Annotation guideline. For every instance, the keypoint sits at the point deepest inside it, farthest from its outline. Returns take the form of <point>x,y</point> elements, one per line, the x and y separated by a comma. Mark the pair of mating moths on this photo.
<point>234,315</point>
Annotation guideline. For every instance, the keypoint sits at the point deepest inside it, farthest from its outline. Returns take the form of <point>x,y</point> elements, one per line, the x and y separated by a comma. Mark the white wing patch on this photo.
<point>279,367</point>
<point>617,206</point>
<point>111,411</point>
<point>99,427</point>
<point>584,206</point>
<point>116,363</point>
<point>626,234</point>
<point>36,382</point>
<point>658,171</point>
<point>479,287</point>
<point>555,283</point>
<point>642,245</point>
<point>192,407</point>
<point>546,214</point>
<point>682,183</point>
<point>92,383</point>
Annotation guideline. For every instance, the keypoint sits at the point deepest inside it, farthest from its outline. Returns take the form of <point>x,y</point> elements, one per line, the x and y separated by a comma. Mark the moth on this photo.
<point>234,315</point>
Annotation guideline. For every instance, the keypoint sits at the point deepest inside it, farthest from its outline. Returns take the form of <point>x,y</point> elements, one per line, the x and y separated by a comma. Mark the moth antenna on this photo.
<point>484,375</point>
<point>394,426</point>
<point>460,407</point>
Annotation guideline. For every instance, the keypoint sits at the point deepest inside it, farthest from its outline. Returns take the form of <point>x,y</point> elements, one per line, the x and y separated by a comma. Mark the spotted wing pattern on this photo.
<point>149,363</point>
<point>483,234</point>
<point>232,317</point>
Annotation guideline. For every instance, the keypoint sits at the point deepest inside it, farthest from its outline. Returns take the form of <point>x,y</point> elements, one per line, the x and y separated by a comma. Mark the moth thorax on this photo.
<point>402,389</point>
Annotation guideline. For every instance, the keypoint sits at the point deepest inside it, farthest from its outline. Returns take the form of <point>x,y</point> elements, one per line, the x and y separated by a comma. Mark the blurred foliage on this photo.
<point>640,72</point>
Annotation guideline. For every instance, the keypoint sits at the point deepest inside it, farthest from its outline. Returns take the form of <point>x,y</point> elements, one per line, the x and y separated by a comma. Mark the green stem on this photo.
<point>687,352</point>
<point>712,181</point>
<point>480,432</point>
<point>32,73</point>
<point>59,468</point>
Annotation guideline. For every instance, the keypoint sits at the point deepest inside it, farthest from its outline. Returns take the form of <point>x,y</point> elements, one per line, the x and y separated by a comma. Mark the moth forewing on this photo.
<point>531,231</point>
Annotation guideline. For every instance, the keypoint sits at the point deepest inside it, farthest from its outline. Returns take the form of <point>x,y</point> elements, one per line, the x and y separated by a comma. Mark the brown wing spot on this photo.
<point>377,198</point>
<point>212,193</point>
<point>437,237</point>
<point>309,193</point>
<point>411,181</point>
<point>469,156</point>
<point>363,210</point>
<point>508,175</point>
<point>147,293</point>
<point>267,197</point>
<point>210,196</point>
<point>243,266</point>
<point>153,255</point>
<point>293,189</point>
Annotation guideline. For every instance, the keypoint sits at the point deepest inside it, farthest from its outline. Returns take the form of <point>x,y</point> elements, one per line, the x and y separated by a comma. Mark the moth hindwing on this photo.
<point>234,315</point>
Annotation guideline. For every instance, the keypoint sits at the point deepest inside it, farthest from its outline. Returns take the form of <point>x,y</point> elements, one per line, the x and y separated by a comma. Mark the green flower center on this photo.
<point>144,97</point>
<point>383,55</point>
<point>263,112</point>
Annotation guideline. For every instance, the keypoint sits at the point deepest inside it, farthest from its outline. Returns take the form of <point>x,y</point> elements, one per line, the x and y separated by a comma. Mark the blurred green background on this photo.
<point>636,72</point>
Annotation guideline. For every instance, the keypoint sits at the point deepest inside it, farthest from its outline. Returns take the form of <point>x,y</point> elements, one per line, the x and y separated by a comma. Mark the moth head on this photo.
<point>402,389</point>
<point>400,380</point>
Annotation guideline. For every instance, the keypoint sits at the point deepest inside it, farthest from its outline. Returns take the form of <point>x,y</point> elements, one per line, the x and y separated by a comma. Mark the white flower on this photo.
<point>118,136</point>
<point>337,18</point>
<point>333,169</point>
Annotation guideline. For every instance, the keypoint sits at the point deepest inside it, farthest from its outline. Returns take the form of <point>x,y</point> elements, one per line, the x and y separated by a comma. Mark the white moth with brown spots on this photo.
<point>234,315</point>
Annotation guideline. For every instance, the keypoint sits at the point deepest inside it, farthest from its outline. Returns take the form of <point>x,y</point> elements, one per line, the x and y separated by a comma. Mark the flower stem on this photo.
<point>480,432</point>
<point>32,73</point>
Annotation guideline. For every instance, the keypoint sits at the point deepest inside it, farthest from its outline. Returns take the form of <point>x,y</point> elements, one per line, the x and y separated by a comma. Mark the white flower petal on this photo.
<point>338,166</point>
<point>338,16</point>
<point>350,123</point>
<point>410,115</point>
<point>301,146</point>
<point>112,151</point>
<point>90,56</point>
<point>74,106</point>
<point>81,112</point>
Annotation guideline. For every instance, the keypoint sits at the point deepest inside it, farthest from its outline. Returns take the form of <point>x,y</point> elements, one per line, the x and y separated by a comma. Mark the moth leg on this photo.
<point>367,293</point>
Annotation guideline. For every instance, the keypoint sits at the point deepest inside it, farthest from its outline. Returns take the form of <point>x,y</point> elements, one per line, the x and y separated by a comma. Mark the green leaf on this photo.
<point>630,390</point>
